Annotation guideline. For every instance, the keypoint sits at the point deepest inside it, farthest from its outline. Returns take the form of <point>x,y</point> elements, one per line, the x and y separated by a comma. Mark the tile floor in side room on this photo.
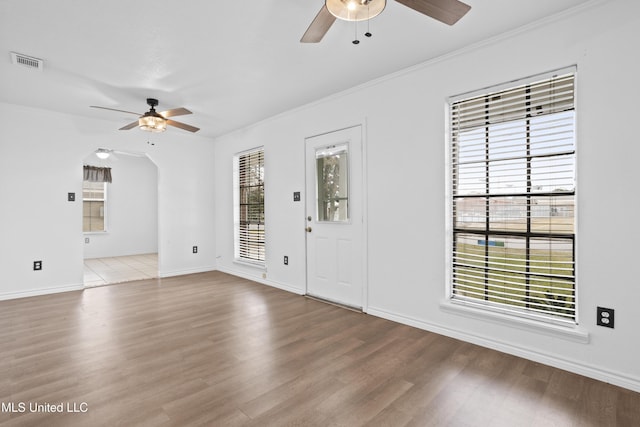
<point>106,271</point>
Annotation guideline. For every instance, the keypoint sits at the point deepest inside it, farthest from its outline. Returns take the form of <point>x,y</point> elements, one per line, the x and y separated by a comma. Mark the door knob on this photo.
<point>308,229</point>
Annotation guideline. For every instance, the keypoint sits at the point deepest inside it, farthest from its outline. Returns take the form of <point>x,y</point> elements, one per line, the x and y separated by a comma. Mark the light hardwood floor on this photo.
<point>213,349</point>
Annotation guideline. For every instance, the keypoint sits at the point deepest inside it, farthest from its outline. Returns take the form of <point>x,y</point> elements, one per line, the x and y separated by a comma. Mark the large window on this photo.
<point>94,197</point>
<point>513,198</point>
<point>249,206</point>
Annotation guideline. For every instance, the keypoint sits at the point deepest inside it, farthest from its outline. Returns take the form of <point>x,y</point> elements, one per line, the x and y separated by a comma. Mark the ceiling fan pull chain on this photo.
<point>355,24</point>
<point>368,33</point>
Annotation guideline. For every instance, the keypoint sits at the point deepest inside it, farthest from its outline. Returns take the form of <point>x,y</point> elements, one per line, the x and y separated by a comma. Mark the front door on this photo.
<point>334,208</point>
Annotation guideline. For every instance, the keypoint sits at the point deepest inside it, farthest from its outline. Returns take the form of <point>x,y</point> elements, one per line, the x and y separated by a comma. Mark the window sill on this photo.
<point>94,232</point>
<point>568,332</point>
<point>254,264</point>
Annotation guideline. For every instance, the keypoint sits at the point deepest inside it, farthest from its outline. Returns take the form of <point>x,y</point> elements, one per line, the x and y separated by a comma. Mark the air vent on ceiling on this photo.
<point>27,61</point>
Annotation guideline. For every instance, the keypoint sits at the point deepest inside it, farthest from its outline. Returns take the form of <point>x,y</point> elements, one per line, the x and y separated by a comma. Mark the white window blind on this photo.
<point>513,198</point>
<point>250,230</point>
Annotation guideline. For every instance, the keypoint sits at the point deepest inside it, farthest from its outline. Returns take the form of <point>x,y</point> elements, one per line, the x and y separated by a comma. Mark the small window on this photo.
<point>513,199</point>
<point>93,206</point>
<point>332,183</point>
<point>249,206</point>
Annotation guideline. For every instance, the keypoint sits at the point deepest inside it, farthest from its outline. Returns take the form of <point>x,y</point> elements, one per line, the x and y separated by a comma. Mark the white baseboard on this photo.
<point>41,291</point>
<point>594,372</point>
<point>258,278</point>
<point>173,273</point>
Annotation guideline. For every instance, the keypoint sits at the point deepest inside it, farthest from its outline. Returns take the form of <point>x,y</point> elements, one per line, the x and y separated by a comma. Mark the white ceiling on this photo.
<point>232,63</point>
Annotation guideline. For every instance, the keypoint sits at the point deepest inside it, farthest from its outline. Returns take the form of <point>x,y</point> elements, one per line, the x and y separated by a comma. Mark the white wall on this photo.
<point>40,164</point>
<point>404,116</point>
<point>131,209</point>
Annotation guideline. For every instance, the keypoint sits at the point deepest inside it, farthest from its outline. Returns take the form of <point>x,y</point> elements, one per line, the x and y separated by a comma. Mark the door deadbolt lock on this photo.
<point>308,229</point>
<point>309,218</point>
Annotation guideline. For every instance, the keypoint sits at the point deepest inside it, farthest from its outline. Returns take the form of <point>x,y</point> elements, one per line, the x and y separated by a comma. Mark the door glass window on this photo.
<point>332,183</point>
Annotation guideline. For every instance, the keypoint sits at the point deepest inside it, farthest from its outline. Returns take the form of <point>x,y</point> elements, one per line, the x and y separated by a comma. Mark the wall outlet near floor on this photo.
<point>86,240</point>
<point>605,317</point>
<point>286,260</point>
<point>37,265</point>
<point>195,249</point>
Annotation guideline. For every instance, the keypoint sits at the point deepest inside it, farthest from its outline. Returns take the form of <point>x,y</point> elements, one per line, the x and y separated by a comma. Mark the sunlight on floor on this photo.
<point>105,271</point>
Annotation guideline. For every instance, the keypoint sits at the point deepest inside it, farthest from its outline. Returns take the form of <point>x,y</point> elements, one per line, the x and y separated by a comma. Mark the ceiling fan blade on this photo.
<point>447,11</point>
<point>183,126</point>
<point>319,27</point>
<point>175,112</point>
<point>129,126</point>
<point>113,109</point>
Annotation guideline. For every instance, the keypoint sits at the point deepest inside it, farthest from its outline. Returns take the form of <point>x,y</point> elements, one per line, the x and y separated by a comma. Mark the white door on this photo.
<point>334,223</point>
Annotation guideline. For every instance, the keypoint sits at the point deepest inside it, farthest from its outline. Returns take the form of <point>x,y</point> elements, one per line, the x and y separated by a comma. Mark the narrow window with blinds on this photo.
<point>513,199</point>
<point>250,230</point>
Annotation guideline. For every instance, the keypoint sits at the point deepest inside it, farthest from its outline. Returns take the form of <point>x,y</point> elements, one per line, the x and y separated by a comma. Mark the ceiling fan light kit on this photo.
<point>355,10</point>
<point>152,123</point>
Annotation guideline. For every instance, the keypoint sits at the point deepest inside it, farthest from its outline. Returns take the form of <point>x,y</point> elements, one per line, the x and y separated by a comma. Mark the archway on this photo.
<point>120,224</point>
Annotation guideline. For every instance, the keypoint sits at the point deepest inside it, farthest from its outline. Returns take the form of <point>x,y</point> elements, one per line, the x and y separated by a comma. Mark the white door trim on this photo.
<point>365,203</point>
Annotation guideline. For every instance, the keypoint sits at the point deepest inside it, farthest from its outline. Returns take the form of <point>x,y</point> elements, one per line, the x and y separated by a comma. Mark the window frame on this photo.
<point>323,197</point>
<point>239,242</point>
<point>479,307</point>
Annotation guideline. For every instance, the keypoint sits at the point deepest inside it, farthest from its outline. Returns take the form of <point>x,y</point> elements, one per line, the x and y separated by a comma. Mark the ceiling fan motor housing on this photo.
<point>152,102</point>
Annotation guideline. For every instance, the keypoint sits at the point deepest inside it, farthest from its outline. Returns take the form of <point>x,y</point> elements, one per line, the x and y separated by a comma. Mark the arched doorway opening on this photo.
<point>120,219</point>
